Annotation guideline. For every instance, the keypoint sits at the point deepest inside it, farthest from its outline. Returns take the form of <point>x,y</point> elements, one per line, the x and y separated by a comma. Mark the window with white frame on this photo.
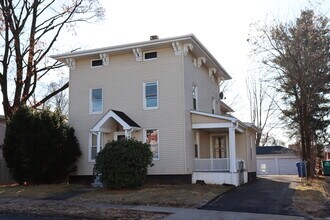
<point>94,146</point>
<point>150,90</point>
<point>152,138</point>
<point>96,101</point>
<point>195,97</point>
<point>150,55</point>
<point>214,106</point>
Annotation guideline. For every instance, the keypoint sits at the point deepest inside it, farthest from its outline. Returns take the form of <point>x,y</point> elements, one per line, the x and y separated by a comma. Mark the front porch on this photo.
<point>216,151</point>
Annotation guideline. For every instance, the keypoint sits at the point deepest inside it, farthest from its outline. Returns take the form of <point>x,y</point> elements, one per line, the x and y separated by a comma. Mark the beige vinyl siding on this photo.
<point>243,143</point>
<point>122,83</point>
<point>204,147</point>
<point>206,90</point>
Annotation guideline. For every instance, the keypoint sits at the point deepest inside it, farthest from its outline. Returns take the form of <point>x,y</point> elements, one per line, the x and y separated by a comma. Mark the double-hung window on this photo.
<point>96,101</point>
<point>150,96</point>
<point>195,96</point>
<point>152,138</point>
<point>96,144</point>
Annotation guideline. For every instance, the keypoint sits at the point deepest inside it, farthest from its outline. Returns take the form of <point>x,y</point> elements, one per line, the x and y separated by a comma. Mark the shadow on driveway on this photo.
<point>268,195</point>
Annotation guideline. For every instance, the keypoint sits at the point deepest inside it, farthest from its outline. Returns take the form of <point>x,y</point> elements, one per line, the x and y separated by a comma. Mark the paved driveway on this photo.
<point>268,194</point>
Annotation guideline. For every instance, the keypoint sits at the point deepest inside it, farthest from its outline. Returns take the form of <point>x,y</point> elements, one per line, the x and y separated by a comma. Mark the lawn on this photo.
<point>36,191</point>
<point>189,195</point>
<point>312,198</point>
<point>93,202</point>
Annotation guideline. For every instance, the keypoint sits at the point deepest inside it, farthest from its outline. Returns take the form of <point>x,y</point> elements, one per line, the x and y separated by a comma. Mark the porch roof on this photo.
<point>118,116</point>
<point>203,120</point>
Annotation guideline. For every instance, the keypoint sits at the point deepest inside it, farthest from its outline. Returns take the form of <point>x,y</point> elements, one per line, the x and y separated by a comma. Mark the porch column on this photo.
<point>198,144</point>
<point>232,150</point>
<point>98,142</point>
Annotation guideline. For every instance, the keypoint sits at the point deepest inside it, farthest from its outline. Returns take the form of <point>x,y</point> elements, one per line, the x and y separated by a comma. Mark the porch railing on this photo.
<point>212,164</point>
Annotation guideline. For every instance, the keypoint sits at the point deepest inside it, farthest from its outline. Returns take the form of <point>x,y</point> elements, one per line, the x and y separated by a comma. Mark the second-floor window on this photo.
<point>214,106</point>
<point>96,101</point>
<point>150,90</point>
<point>195,96</point>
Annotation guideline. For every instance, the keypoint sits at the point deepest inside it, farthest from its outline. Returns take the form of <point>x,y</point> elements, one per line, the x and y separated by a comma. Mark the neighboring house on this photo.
<point>4,172</point>
<point>164,92</point>
<point>276,160</point>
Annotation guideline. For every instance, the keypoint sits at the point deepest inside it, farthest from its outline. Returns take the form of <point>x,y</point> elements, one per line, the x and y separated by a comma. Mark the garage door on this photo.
<point>277,166</point>
<point>266,166</point>
<point>287,166</point>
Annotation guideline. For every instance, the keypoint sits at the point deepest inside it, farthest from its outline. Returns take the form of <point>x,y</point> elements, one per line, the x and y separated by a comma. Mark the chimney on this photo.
<point>154,37</point>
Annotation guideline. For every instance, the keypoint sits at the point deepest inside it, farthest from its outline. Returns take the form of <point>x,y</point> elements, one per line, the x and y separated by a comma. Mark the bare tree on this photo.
<point>28,32</point>
<point>262,107</point>
<point>298,55</point>
<point>60,101</point>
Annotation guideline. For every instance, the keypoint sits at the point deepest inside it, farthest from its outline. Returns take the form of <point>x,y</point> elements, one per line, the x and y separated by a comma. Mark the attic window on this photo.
<point>150,55</point>
<point>98,62</point>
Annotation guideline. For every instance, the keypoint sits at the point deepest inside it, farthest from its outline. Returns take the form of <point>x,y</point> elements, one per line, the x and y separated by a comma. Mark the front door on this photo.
<point>219,147</point>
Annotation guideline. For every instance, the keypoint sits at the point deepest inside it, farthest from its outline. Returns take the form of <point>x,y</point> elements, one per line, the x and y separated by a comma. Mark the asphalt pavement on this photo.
<point>267,195</point>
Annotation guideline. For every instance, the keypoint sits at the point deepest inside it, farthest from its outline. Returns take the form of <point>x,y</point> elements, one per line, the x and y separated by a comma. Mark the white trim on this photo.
<point>212,125</point>
<point>116,134</point>
<point>232,150</point>
<point>90,144</point>
<point>165,41</point>
<point>152,51</point>
<point>90,101</point>
<point>110,114</point>
<point>232,119</point>
<point>145,140</point>
<point>144,96</point>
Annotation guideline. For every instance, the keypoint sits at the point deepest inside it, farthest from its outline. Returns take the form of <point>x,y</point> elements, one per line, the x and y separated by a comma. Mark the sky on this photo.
<point>223,26</point>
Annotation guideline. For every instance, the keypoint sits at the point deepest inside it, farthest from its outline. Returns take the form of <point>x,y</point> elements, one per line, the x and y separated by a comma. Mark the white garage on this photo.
<point>276,160</point>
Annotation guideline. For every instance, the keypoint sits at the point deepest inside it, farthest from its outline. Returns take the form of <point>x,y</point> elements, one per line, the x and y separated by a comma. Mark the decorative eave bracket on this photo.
<point>105,59</point>
<point>71,62</point>
<point>138,54</point>
<point>212,72</point>
<point>178,48</point>
<point>201,61</point>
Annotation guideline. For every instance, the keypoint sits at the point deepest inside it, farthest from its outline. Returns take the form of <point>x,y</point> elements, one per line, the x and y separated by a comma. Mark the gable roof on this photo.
<point>198,49</point>
<point>273,150</point>
<point>120,117</point>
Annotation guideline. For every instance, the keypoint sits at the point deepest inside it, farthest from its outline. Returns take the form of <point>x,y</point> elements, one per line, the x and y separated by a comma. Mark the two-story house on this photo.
<point>164,92</point>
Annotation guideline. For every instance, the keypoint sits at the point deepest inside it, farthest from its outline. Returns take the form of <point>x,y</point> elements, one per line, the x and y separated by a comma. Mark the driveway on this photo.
<point>268,195</point>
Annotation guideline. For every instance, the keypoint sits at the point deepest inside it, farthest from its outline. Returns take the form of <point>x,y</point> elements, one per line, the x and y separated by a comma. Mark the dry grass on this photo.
<point>161,195</point>
<point>312,198</point>
<point>62,209</point>
<point>36,191</point>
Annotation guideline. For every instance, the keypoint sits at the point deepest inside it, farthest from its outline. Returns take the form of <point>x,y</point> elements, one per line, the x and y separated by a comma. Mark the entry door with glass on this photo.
<point>219,147</point>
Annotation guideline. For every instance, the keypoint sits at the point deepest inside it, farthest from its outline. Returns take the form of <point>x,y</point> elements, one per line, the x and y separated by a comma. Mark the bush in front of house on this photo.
<point>123,164</point>
<point>39,146</point>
